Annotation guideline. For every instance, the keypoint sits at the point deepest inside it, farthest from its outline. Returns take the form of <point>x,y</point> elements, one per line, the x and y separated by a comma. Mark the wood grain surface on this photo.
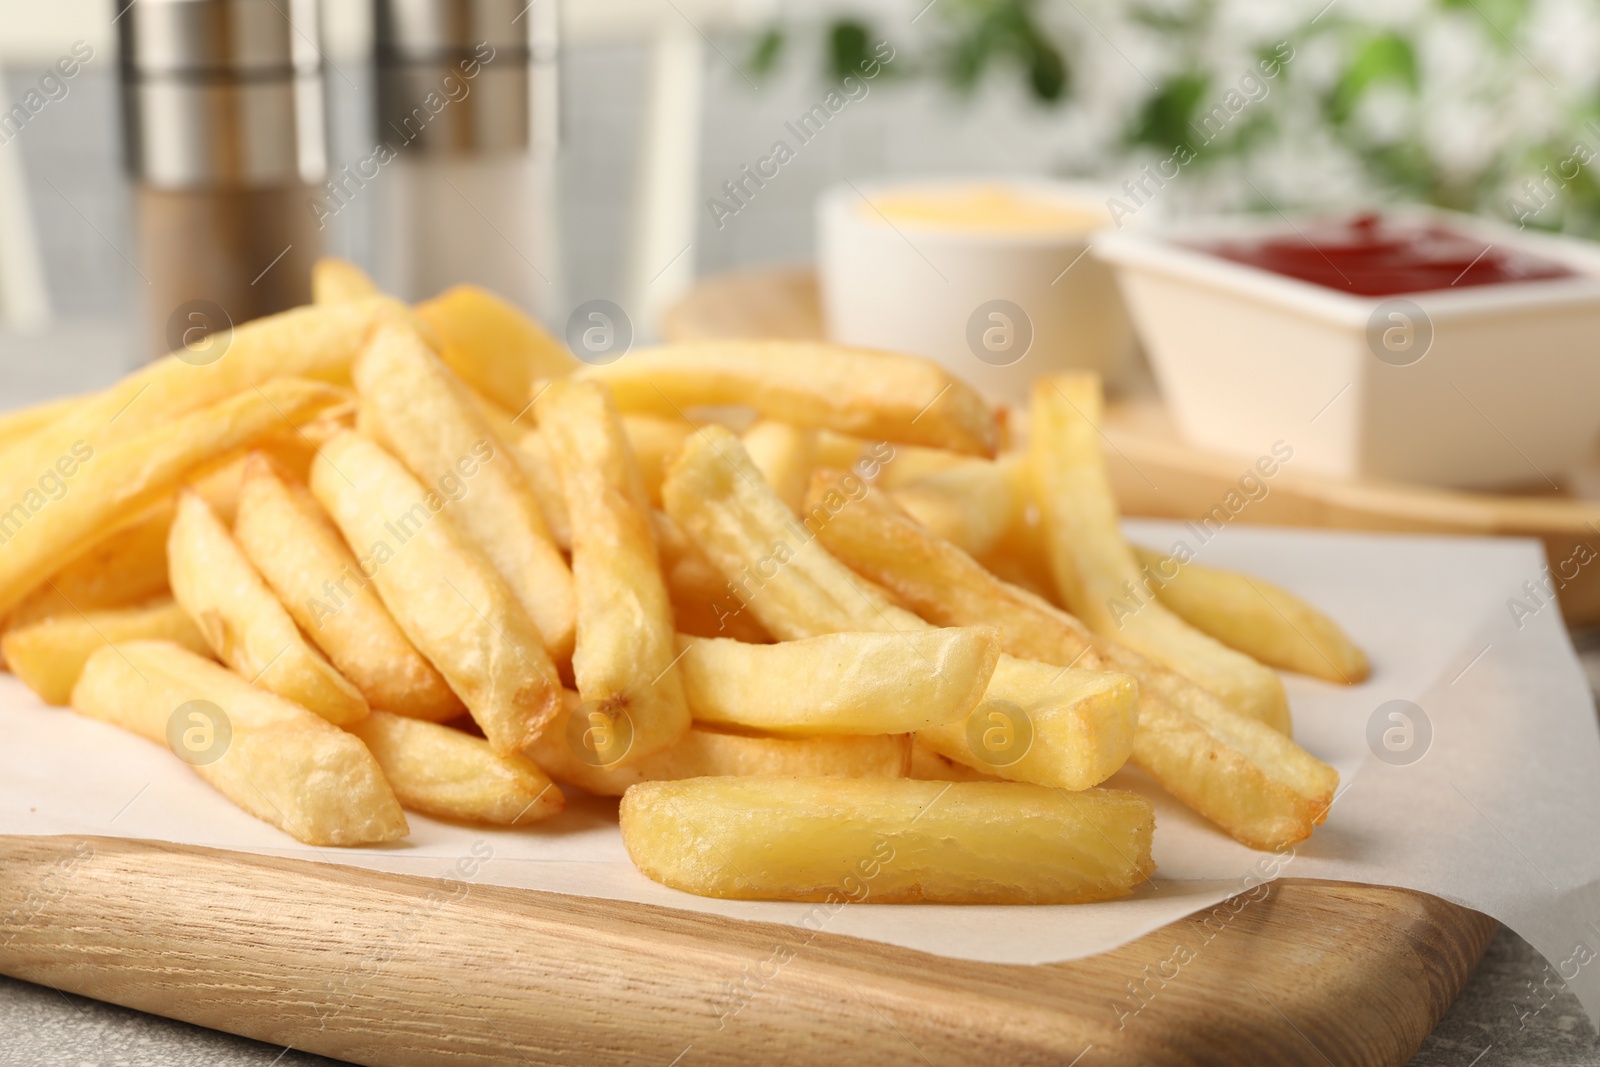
<point>1156,475</point>
<point>395,971</point>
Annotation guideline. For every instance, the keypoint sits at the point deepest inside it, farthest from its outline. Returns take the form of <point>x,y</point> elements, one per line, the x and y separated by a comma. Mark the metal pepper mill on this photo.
<point>225,139</point>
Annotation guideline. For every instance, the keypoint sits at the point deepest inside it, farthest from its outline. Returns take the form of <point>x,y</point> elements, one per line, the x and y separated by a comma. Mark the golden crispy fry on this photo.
<point>532,454</point>
<point>844,683</point>
<point>17,424</point>
<point>1262,620</point>
<point>291,542</point>
<point>338,281</point>
<point>494,347</point>
<point>627,648</point>
<point>1080,723</point>
<point>877,395</point>
<point>1096,571</point>
<point>655,442</point>
<point>126,566</point>
<point>702,604</point>
<point>448,601</point>
<point>784,455</point>
<point>572,752</point>
<point>886,841</point>
<point>271,757</point>
<point>970,504</point>
<point>431,423</point>
<point>113,483</point>
<point>243,622</point>
<point>452,775</point>
<point>1246,777</point>
<point>49,655</point>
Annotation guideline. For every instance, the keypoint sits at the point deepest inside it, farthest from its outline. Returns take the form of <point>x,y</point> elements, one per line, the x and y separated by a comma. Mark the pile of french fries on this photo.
<point>819,616</point>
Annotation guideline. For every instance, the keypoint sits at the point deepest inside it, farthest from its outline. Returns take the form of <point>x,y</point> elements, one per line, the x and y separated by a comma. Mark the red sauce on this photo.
<point>1372,256</point>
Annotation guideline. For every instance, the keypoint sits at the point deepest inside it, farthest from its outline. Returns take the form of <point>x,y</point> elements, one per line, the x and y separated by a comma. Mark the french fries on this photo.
<point>1247,778</point>
<point>702,604</point>
<point>972,503</point>
<point>115,483</point>
<point>843,683</point>
<point>879,395</point>
<point>338,281</point>
<point>784,455</point>
<point>495,348</point>
<point>243,622</point>
<point>48,655</point>
<point>271,757</point>
<point>627,649</point>
<point>1096,571</point>
<point>1080,724</point>
<point>452,775</point>
<point>655,441</point>
<point>447,600</point>
<point>293,545</point>
<point>575,752</point>
<point>1255,617</point>
<point>888,841</point>
<point>430,422</point>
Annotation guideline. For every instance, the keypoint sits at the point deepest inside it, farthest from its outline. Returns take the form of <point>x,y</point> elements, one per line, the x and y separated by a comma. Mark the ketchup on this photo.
<point>1372,256</point>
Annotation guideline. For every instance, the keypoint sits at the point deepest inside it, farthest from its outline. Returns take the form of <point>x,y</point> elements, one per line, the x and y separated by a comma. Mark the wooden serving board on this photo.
<point>374,968</point>
<point>1156,475</point>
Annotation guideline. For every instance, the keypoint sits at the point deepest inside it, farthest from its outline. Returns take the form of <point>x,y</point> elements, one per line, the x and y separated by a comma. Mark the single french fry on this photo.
<point>887,841</point>
<point>493,346</point>
<point>784,455</point>
<point>243,621</point>
<point>1252,781</point>
<point>432,424</point>
<point>448,774</point>
<point>48,655</point>
<point>883,396</point>
<point>575,752</point>
<point>1096,571</point>
<point>844,683</point>
<point>532,454</point>
<point>450,604</point>
<point>970,504</point>
<point>1079,724</point>
<point>294,546</point>
<point>271,757</point>
<point>338,281</point>
<point>627,649</point>
<point>1264,621</point>
<point>115,483</point>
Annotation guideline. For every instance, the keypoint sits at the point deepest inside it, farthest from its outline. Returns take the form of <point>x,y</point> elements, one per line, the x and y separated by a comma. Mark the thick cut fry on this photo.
<point>431,423</point>
<point>1080,724</point>
<point>888,841</point>
<point>532,454</point>
<point>627,649</point>
<point>452,775</point>
<point>1096,571</point>
<point>295,548</point>
<point>971,504</point>
<point>339,281</point>
<point>448,601</point>
<point>572,752</point>
<point>844,683</point>
<point>114,483</point>
<point>49,655</point>
<point>1249,779</point>
<point>243,622</point>
<point>271,757</point>
<point>493,346</point>
<point>883,396</point>
<point>1262,620</point>
<point>784,455</point>
<point>655,442</point>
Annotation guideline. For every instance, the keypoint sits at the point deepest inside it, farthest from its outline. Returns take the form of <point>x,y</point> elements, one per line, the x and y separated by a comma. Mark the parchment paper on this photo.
<point>1501,812</point>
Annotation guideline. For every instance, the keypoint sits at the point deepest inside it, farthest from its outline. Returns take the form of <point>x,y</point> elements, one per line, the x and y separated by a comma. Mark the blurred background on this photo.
<point>1490,106</point>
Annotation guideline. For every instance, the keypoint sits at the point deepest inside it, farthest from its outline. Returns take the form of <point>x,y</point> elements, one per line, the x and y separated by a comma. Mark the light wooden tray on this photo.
<point>1156,475</point>
<point>374,968</point>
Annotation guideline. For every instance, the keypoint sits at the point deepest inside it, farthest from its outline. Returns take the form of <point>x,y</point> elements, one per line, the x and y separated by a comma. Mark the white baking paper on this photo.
<point>1500,813</point>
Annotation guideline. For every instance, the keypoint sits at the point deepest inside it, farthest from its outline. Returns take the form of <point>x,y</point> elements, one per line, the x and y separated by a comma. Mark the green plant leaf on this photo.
<point>766,53</point>
<point>1384,57</point>
<point>1164,120</point>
